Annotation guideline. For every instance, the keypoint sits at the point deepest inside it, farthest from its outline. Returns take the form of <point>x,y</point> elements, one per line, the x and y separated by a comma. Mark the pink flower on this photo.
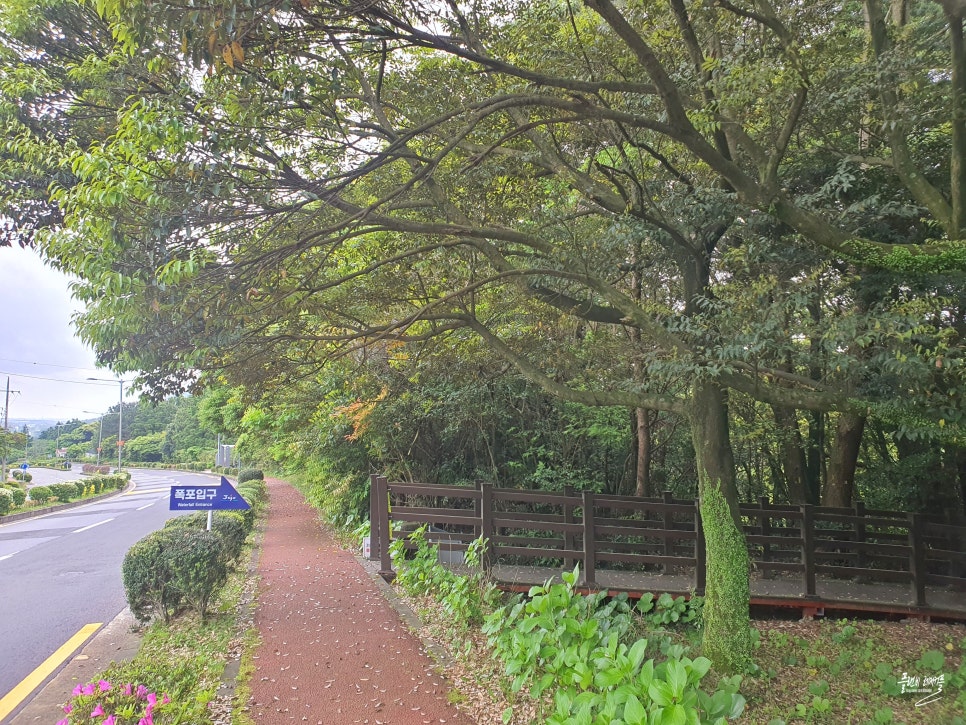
<point>88,689</point>
<point>127,689</point>
<point>65,721</point>
<point>152,699</point>
<point>165,700</point>
<point>146,720</point>
<point>68,707</point>
<point>110,720</point>
<point>104,685</point>
<point>78,690</point>
<point>142,692</point>
<point>97,710</point>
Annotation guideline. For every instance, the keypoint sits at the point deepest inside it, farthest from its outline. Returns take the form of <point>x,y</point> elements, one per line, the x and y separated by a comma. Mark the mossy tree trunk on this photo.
<point>727,629</point>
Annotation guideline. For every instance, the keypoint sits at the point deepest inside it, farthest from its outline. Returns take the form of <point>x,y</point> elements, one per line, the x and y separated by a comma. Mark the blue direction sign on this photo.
<point>24,466</point>
<point>222,497</point>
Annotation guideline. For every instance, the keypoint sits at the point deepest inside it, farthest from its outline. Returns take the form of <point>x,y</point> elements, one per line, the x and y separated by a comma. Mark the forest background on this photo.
<point>709,247</point>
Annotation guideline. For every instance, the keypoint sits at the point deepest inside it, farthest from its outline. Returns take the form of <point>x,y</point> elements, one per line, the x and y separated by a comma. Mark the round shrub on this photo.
<point>233,529</point>
<point>6,500</point>
<point>63,491</point>
<point>250,474</point>
<point>198,565</point>
<point>21,475</point>
<point>19,495</point>
<point>230,525</point>
<point>147,577</point>
<point>81,487</point>
<point>254,491</point>
<point>40,494</point>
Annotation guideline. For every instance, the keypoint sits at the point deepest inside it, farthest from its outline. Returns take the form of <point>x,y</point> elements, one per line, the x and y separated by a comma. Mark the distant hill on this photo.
<point>35,426</point>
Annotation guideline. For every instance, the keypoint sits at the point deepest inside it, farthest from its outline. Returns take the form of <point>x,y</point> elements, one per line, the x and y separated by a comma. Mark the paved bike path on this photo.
<point>333,650</point>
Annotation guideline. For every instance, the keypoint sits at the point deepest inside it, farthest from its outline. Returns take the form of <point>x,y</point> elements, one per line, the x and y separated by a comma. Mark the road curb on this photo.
<point>117,641</point>
<point>10,518</point>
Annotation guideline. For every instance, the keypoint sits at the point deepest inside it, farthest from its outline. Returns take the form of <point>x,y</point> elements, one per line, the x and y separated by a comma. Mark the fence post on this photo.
<point>917,559</point>
<point>700,553</point>
<point>808,548</point>
<point>374,528</point>
<point>590,541</point>
<point>385,530</point>
<point>477,510</point>
<point>668,524</point>
<point>569,538</point>
<point>486,525</point>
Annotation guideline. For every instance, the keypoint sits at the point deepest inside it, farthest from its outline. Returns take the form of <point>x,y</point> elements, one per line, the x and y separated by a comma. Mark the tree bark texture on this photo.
<point>840,482</point>
<point>727,634</point>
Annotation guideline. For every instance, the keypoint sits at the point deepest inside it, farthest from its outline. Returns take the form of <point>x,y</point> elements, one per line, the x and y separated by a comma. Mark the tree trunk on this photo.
<point>642,429</point>
<point>727,628</point>
<point>793,454</point>
<point>840,482</point>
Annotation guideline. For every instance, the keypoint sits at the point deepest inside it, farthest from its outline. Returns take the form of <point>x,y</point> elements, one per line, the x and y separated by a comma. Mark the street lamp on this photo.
<point>120,409</point>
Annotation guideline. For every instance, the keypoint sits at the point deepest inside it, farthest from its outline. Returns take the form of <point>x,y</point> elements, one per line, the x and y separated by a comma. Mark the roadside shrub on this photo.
<point>188,521</point>
<point>148,578</point>
<point>233,529</point>
<point>81,487</point>
<point>103,483</point>
<point>250,474</point>
<point>40,494</point>
<point>198,564</point>
<point>230,525</point>
<point>93,468</point>
<point>20,475</point>
<point>6,500</point>
<point>19,495</point>
<point>64,491</point>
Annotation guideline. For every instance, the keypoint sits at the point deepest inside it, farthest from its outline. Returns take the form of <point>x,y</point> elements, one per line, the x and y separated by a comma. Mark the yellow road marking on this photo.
<point>18,694</point>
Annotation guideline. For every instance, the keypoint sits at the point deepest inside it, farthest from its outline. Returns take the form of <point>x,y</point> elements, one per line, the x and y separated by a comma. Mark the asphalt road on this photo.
<point>62,571</point>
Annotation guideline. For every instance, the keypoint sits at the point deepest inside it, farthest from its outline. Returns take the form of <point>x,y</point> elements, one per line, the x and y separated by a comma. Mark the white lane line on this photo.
<point>5,557</point>
<point>85,528</point>
<point>145,506</point>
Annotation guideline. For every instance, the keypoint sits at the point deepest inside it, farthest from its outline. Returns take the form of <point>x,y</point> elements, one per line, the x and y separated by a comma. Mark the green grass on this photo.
<point>850,672</point>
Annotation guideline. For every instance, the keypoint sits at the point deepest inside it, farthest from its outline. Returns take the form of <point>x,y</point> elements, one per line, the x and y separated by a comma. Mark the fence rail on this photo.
<point>664,535</point>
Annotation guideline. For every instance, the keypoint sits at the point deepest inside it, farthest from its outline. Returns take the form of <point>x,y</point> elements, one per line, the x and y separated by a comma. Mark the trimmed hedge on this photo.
<point>177,564</point>
<point>6,500</point>
<point>199,564</point>
<point>40,494</point>
<point>64,491</point>
<point>184,565</point>
<point>19,494</point>
<point>250,474</point>
<point>232,526</point>
<point>147,577</point>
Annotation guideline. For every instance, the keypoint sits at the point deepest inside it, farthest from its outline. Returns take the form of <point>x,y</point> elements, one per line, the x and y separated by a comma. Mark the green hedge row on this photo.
<point>182,566</point>
<point>6,499</point>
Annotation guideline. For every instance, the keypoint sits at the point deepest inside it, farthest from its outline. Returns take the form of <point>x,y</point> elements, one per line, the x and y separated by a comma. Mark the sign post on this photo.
<point>222,497</point>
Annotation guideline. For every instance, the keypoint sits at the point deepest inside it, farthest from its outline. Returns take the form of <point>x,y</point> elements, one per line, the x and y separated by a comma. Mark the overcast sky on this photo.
<point>47,365</point>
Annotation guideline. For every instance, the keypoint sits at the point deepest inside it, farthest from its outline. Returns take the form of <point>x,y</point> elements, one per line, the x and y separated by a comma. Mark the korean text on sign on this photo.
<point>196,494</point>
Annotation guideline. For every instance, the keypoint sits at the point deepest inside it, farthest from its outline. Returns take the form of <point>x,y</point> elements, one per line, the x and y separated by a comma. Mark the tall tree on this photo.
<point>344,179</point>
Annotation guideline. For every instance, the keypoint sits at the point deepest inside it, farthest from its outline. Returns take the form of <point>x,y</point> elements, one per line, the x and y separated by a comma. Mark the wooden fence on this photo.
<point>664,535</point>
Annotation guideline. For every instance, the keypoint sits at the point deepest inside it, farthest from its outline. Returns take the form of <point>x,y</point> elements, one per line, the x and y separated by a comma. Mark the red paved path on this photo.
<point>332,649</point>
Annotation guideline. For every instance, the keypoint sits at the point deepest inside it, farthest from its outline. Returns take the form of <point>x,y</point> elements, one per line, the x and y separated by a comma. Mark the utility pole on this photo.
<point>6,421</point>
<point>6,418</point>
